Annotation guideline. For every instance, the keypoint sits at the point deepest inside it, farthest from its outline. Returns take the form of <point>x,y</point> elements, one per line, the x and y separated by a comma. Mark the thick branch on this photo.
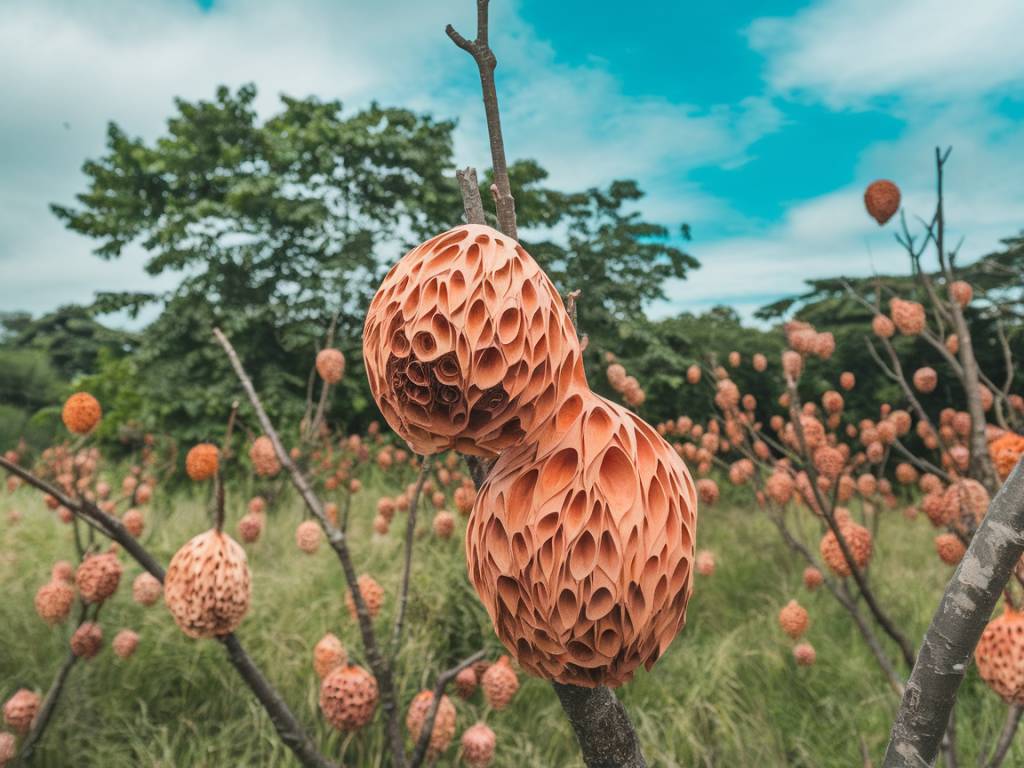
<point>470,188</point>
<point>603,729</point>
<point>966,606</point>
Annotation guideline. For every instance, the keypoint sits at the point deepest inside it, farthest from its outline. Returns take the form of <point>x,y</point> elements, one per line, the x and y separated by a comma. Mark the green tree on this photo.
<point>274,226</point>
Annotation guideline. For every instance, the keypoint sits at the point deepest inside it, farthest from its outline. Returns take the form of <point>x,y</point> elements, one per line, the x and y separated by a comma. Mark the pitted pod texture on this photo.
<point>348,697</point>
<point>81,413</point>
<point>264,457</point>
<point>444,722</point>
<point>53,601</point>
<point>793,619</point>
<point>858,541</point>
<point>500,683</point>
<point>581,545</point>
<point>20,710</point>
<point>1000,656</point>
<point>87,640</point>
<point>467,344</point>
<point>478,743</point>
<point>125,643</point>
<point>201,461</point>
<point>373,596</point>
<point>98,576</point>
<point>207,587</point>
<point>146,589</point>
<point>328,655</point>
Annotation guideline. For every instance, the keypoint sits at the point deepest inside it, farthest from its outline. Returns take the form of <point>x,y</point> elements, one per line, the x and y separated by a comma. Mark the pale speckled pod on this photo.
<point>207,587</point>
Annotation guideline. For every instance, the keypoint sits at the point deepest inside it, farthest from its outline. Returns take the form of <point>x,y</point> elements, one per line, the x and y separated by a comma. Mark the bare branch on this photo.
<point>379,665</point>
<point>410,535</point>
<point>1002,748</point>
<point>486,62</point>
<point>470,188</point>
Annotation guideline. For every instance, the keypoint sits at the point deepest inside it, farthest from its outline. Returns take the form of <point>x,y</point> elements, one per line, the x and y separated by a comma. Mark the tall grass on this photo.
<point>727,692</point>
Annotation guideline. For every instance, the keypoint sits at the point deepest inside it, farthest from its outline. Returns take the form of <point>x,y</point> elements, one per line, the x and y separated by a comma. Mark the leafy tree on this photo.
<point>70,336</point>
<point>275,226</point>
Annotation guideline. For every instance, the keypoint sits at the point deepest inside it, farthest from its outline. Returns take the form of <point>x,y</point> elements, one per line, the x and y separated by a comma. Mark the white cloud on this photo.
<point>832,234</point>
<point>66,69</point>
<point>847,52</point>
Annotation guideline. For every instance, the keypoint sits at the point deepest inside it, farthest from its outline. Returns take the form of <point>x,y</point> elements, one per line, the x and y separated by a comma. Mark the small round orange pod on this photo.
<point>467,344</point>
<point>581,545</point>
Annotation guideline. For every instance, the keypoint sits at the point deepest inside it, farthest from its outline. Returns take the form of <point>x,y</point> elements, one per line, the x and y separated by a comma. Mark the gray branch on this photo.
<point>948,644</point>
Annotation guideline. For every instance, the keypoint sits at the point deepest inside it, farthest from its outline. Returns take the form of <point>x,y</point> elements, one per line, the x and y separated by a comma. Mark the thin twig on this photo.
<point>486,61</point>
<point>419,752</point>
<point>410,535</point>
<point>1006,736</point>
<point>378,663</point>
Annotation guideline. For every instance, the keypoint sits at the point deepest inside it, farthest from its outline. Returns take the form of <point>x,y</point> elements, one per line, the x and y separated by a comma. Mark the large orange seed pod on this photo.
<point>467,344</point>
<point>581,545</point>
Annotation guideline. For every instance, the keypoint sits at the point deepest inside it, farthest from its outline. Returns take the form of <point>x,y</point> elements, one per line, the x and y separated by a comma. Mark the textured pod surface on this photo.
<point>478,743</point>
<point>882,199</point>
<point>328,655</point>
<point>581,545</point>
<point>330,364</point>
<point>858,541</point>
<point>373,596</point>
<point>500,683</point>
<point>348,697</point>
<point>81,413</point>
<point>20,710</point>
<point>98,576</point>
<point>201,461</point>
<point>87,640</point>
<point>793,619</point>
<point>125,642</point>
<point>53,601</point>
<point>1000,656</point>
<point>207,588</point>
<point>444,722</point>
<point>467,344</point>
<point>264,457</point>
<point>146,589</point>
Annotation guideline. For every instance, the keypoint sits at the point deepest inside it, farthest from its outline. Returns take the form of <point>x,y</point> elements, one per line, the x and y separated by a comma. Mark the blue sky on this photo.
<point>758,123</point>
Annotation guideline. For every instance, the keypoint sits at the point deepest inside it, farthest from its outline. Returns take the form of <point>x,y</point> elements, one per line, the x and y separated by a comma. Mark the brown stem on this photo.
<point>1002,748</point>
<point>410,535</point>
<point>379,665</point>
<point>486,61</point>
<point>965,608</point>
<point>419,751</point>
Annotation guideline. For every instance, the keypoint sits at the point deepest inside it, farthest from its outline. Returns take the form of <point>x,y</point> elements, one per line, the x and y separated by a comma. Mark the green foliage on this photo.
<point>618,261</point>
<point>117,385</point>
<point>70,337</point>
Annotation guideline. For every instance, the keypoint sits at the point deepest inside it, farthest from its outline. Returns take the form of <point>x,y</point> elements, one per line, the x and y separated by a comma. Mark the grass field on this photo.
<point>727,693</point>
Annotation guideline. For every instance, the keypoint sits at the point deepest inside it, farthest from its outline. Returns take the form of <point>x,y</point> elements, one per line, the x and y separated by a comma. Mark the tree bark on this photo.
<point>603,729</point>
<point>949,643</point>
